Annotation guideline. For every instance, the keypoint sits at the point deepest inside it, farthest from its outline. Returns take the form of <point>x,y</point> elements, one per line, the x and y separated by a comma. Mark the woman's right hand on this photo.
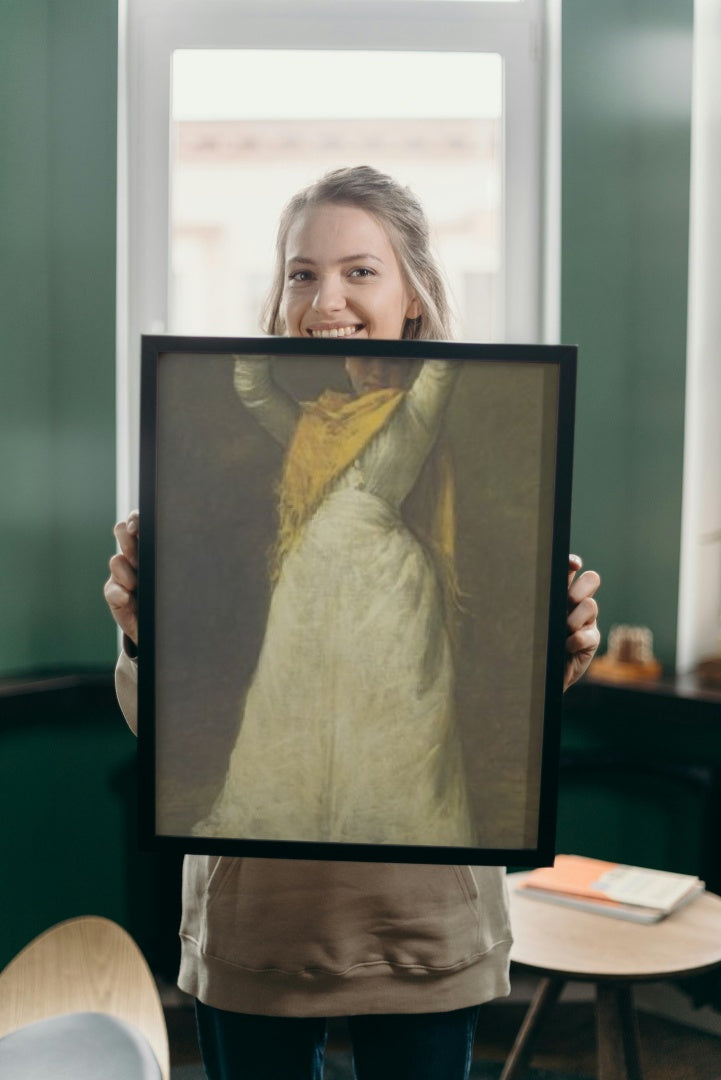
<point>121,587</point>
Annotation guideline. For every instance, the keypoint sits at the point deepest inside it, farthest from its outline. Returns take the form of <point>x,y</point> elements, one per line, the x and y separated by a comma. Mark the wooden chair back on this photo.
<point>87,964</point>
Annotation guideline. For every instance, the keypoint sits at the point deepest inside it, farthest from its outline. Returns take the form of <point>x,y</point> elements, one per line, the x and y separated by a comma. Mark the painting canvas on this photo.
<point>352,597</point>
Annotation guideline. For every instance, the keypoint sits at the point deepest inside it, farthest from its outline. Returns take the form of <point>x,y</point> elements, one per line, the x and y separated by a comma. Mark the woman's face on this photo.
<point>342,277</point>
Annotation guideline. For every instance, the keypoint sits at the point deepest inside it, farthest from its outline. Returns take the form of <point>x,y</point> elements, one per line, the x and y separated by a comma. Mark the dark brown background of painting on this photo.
<point>215,522</point>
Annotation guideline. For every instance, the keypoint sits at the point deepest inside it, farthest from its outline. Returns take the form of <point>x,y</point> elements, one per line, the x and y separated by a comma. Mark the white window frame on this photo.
<point>699,597</point>
<point>526,34</point>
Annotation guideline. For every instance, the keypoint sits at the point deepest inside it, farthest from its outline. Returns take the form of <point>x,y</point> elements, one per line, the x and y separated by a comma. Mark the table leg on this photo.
<point>617,1033</point>
<point>545,997</point>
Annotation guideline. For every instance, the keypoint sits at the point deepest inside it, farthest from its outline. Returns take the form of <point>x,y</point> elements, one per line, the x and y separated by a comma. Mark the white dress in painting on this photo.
<point>348,732</point>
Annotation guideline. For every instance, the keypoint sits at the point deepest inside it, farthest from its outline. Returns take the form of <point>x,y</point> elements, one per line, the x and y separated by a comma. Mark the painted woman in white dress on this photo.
<point>348,730</point>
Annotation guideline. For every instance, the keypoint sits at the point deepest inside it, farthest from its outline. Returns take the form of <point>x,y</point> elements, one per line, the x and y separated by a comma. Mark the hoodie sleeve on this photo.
<point>126,688</point>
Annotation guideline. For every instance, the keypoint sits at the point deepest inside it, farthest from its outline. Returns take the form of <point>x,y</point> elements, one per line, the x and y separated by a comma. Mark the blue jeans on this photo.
<point>414,1046</point>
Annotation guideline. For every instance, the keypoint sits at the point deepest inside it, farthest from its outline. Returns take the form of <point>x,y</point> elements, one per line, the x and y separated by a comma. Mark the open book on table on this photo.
<point>609,888</point>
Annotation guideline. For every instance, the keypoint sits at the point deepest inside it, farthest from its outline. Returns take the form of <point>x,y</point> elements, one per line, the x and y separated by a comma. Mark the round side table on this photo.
<point>563,944</point>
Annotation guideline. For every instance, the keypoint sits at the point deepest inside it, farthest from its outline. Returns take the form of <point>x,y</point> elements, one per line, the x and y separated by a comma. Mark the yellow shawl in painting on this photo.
<point>330,434</point>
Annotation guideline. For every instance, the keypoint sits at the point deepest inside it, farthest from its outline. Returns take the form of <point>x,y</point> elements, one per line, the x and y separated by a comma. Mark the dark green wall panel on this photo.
<point>64,790</point>
<point>626,145</point>
<point>58,77</point>
<point>68,804</point>
<point>26,489</point>
<point>641,777</point>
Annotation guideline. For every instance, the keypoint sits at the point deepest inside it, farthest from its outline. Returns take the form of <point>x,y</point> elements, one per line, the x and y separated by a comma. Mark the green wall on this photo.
<point>58,72</point>
<point>626,137</point>
<point>68,804</point>
<point>626,145</point>
<point>67,773</point>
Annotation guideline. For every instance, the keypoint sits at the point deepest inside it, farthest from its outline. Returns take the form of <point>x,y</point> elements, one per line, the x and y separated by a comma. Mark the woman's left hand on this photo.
<point>583,636</point>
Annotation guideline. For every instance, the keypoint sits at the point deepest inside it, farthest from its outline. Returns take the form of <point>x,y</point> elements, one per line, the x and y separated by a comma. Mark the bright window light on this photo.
<point>239,154</point>
<point>222,84</point>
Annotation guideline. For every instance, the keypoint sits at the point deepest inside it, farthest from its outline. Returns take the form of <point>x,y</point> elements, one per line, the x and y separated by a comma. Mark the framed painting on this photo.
<point>352,597</point>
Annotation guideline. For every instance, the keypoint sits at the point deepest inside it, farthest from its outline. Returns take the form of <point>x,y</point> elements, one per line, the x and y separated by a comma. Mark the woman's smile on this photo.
<point>335,331</point>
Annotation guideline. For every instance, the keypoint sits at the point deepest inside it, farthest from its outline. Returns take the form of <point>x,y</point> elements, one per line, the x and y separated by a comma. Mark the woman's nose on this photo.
<point>329,295</point>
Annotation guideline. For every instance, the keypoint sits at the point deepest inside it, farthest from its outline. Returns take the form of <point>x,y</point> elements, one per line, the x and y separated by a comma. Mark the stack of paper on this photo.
<point>624,892</point>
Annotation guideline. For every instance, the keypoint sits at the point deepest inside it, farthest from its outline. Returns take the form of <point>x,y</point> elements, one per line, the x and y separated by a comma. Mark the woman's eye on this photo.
<point>362,272</point>
<point>300,276</point>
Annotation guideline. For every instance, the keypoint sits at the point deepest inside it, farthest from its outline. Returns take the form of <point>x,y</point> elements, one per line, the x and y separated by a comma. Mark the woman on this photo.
<point>272,948</point>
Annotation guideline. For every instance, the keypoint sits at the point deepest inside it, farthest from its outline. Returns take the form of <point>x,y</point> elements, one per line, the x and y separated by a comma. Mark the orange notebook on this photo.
<point>631,892</point>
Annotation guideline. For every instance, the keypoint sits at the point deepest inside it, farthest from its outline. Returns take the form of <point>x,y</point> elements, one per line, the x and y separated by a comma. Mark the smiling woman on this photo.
<point>357,742</point>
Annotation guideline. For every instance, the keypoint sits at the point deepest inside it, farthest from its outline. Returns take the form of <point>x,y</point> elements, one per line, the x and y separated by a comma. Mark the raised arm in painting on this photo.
<point>273,408</point>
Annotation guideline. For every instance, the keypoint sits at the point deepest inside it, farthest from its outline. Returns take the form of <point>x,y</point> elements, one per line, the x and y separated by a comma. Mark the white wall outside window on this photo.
<point>523,33</point>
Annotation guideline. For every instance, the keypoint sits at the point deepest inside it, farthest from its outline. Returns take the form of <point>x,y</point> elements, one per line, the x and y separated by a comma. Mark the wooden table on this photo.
<point>563,944</point>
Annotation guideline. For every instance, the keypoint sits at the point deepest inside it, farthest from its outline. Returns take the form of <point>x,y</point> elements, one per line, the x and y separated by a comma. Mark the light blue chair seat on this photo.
<point>78,1046</point>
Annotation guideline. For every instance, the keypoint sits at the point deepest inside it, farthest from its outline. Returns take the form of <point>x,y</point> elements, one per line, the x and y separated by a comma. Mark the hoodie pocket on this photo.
<point>296,916</point>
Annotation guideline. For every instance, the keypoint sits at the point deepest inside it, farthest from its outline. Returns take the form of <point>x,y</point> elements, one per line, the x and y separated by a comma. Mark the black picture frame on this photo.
<point>209,484</point>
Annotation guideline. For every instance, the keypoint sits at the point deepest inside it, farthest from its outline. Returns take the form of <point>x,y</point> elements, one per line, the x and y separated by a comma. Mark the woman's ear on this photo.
<point>415,309</point>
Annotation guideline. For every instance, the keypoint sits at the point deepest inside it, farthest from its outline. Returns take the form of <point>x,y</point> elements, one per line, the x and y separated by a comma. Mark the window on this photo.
<point>227,105</point>
<point>235,161</point>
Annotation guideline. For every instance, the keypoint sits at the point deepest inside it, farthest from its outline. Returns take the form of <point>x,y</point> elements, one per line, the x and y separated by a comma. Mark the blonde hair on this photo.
<point>403,217</point>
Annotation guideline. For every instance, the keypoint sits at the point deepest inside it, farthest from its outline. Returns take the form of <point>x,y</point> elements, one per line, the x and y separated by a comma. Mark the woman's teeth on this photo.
<point>337,331</point>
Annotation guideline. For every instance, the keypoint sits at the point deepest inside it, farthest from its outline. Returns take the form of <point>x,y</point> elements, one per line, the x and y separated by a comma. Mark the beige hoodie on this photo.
<point>283,937</point>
